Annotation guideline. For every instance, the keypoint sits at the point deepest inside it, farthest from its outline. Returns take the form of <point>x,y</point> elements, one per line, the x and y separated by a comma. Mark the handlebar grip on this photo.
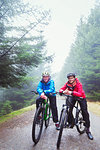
<point>35,92</point>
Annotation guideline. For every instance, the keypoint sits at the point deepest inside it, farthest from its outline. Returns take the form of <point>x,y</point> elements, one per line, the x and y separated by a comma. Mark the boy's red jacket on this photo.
<point>77,89</point>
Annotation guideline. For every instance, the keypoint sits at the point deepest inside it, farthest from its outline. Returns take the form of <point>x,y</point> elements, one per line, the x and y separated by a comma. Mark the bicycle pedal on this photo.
<point>66,126</point>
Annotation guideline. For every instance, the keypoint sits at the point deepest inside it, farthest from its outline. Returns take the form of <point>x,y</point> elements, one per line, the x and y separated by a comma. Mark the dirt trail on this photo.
<point>16,135</point>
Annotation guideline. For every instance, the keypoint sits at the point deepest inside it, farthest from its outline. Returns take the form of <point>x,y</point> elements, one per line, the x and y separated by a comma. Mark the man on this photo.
<point>44,88</point>
<point>74,87</point>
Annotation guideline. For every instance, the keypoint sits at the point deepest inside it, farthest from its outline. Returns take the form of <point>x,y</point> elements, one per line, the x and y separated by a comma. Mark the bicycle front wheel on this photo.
<point>47,116</point>
<point>37,125</point>
<point>62,122</point>
<point>80,123</point>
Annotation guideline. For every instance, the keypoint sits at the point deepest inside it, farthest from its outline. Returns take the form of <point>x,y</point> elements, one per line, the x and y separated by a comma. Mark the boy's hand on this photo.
<point>60,92</point>
<point>43,96</point>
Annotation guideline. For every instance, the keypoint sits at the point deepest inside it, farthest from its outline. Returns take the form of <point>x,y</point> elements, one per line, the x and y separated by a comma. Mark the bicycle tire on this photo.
<point>61,128</point>
<point>37,123</point>
<point>80,123</point>
<point>47,117</point>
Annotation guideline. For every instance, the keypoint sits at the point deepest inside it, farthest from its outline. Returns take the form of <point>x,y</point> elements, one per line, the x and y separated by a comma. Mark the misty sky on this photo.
<point>60,32</point>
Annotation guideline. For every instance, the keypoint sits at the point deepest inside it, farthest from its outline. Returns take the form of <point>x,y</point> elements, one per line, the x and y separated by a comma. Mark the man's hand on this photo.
<point>67,92</point>
<point>43,96</point>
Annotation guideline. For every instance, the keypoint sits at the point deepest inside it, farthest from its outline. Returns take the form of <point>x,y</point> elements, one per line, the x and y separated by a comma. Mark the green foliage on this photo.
<point>6,109</point>
<point>84,57</point>
<point>29,102</point>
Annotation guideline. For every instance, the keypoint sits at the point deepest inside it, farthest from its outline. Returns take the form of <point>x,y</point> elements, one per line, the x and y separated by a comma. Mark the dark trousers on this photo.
<point>53,106</point>
<point>85,114</point>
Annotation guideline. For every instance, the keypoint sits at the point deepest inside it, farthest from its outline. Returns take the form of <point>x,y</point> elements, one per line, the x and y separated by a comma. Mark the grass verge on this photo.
<point>16,113</point>
<point>94,107</point>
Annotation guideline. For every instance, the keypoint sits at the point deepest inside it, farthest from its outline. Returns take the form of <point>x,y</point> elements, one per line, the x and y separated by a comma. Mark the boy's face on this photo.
<point>46,78</point>
<point>71,79</point>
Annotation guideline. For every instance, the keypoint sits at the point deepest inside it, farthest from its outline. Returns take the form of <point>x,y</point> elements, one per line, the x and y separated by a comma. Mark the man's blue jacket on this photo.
<point>47,88</point>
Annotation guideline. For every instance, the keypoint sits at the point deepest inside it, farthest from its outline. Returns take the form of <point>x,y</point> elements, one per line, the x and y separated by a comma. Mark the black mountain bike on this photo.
<point>42,114</point>
<point>78,119</point>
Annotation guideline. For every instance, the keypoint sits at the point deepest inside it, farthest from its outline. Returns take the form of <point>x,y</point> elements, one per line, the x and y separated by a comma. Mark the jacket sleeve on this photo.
<point>78,93</point>
<point>51,88</point>
<point>39,88</point>
<point>63,88</point>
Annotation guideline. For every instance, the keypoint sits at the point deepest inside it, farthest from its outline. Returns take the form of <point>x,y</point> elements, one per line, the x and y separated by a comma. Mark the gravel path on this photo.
<point>15,134</point>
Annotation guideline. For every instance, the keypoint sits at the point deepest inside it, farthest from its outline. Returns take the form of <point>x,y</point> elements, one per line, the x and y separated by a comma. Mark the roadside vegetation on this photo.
<point>16,113</point>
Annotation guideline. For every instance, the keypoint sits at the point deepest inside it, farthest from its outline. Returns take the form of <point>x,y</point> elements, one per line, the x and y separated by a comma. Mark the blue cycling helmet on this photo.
<point>71,74</point>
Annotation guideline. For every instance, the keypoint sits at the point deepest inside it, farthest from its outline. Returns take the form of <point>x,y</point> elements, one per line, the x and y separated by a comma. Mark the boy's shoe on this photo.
<point>38,119</point>
<point>89,134</point>
<point>57,126</point>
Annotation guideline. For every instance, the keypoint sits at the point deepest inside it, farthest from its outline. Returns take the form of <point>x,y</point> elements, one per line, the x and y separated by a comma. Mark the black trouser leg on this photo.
<point>83,105</point>
<point>53,107</point>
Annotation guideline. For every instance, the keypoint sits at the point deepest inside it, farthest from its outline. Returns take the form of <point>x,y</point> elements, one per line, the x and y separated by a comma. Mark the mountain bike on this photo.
<point>42,114</point>
<point>78,119</point>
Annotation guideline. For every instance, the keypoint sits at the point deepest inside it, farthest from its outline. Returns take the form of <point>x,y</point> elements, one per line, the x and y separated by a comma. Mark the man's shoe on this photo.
<point>89,135</point>
<point>71,125</point>
<point>57,126</point>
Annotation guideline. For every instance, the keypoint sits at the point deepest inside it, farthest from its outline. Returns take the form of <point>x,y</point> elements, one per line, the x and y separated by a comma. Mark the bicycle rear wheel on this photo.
<point>47,116</point>
<point>62,122</point>
<point>37,125</point>
<point>80,123</point>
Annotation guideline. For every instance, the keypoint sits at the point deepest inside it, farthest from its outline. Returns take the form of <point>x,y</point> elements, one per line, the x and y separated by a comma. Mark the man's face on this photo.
<point>46,78</point>
<point>71,79</point>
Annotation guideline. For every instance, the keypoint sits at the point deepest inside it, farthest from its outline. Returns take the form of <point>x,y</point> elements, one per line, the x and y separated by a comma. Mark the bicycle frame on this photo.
<point>46,105</point>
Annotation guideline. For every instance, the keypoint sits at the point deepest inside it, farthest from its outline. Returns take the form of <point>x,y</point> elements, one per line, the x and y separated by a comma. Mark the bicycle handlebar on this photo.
<point>79,98</point>
<point>34,92</point>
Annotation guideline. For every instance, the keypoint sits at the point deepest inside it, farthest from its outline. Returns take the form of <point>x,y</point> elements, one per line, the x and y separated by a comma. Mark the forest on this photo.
<point>84,55</point>
<point>23,54</point>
